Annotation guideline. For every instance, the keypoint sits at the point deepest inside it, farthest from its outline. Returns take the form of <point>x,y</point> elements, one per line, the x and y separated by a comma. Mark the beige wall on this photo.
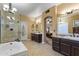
<point>71,20</point>
<point>39,23</point>
<point>8,35</point>
<point>56,11</point>
<point>30,21</point>
<point>53,14</point>
<point>65,7</point>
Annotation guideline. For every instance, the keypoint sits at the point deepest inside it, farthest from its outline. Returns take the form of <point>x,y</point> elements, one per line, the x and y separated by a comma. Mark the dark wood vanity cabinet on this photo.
<point>65,49</point>
<point>36,37</point>
<point>32,36</point>
<point>75,48</point>
<point>66,46</point>
<point>75,51</point>
<point>56,44</point>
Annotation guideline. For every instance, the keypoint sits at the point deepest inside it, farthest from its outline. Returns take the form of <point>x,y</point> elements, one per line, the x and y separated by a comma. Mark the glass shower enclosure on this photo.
<point>10,29</point>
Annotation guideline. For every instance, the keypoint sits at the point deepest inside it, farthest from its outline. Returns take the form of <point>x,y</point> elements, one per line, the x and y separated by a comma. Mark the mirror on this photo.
<point>62,24</point>
<point>76,23</point>
<point>68,24</point>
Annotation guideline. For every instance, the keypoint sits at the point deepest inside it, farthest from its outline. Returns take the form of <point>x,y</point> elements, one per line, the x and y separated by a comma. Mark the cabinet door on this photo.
<point>40,38</point>
<point>75,51</point>
<point>65,49</point>
<point>56,46</point>
<point>32,37</point>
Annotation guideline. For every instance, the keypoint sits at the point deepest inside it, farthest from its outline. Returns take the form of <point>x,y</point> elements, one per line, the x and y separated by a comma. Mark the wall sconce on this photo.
<point>38,21</point>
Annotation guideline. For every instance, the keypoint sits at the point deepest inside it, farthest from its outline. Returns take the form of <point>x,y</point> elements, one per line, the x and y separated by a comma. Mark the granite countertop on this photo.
<point>37,33</point>
<point>68,37</point>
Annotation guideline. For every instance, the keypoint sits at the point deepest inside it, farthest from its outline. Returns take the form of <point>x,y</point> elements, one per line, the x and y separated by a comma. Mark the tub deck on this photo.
<point>13,49</point>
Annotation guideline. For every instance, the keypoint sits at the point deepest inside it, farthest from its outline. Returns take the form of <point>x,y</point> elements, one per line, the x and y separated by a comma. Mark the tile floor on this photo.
<point>38,49</point>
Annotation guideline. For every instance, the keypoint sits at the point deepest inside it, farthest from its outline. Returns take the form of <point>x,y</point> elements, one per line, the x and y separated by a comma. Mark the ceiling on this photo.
<point>32,9</point>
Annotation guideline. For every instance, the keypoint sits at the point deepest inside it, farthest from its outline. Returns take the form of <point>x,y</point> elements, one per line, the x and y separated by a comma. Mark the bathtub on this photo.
<point>13,49</point>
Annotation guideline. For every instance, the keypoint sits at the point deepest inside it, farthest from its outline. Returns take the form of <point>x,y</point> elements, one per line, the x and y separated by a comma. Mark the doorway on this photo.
<point>48,30</point>
<point>24,30</point>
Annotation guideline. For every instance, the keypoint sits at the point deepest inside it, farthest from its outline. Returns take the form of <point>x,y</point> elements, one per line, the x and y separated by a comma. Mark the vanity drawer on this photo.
<point>56,46</point>
<point>66,41</point>
<point>75,43</point>
<point>55,39</point>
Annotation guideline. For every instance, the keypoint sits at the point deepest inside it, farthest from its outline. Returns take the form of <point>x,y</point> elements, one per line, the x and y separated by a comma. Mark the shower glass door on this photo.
<point>10,27</point>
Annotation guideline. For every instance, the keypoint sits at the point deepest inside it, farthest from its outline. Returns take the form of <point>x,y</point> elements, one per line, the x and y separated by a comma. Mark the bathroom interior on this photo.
<point>39,29</point>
